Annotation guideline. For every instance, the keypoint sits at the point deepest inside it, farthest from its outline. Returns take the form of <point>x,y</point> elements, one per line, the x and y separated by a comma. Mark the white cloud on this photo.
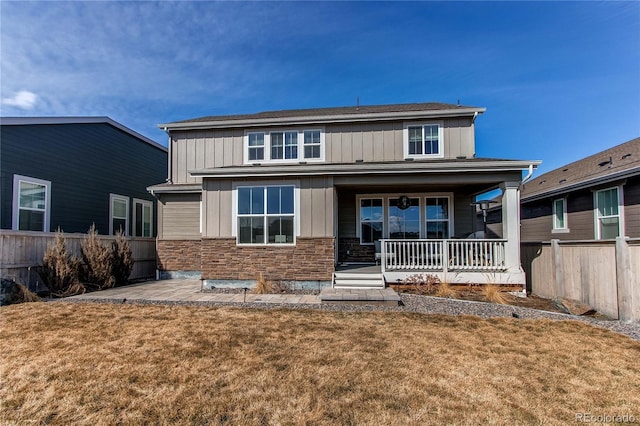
<point>23,99</point>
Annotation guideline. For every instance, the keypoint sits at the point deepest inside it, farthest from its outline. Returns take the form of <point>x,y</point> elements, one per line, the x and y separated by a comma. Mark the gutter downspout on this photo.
<point>528,176</point>
<point>170,171</point>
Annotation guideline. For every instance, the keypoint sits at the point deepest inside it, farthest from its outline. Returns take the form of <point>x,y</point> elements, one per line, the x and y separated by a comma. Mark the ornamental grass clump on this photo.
<point>492,293</point>
<point>60,269</point>
<point>262,286</point>
<point>446,290</point>
<point>98,261</point>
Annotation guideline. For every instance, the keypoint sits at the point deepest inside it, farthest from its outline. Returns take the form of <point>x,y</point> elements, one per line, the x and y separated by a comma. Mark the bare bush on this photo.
<point>422,283</point>
<point>97,259</point>
<point>263,286</point>
<point>60,269</point>
<point>122,259</point>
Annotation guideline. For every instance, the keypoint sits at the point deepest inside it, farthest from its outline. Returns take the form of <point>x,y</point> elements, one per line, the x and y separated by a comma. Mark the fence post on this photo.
<point>558,269</point>
<point>627,300</point>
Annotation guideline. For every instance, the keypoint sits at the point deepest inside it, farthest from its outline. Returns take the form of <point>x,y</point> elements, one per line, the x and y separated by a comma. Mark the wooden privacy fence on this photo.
<point>604,274</point>
<point>21,252</point>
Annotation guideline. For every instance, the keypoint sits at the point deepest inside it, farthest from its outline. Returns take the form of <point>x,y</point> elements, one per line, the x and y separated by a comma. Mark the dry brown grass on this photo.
<point>68,363</point>
<point>262,286</point>
<point>446,290</point>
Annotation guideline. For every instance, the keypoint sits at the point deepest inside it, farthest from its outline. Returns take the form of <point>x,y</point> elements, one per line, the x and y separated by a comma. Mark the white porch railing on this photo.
<point>443,255</point>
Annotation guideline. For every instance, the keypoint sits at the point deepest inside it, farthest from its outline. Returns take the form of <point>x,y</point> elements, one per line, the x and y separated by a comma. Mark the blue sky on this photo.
<point>560,80</point>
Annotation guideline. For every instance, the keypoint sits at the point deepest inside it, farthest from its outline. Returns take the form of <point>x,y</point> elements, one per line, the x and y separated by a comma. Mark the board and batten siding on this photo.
<point>179,216</point>
<point>315,215</point>
<point>344,143</point>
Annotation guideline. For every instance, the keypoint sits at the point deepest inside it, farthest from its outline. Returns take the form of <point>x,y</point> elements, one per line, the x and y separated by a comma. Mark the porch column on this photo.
<point>511,225</point>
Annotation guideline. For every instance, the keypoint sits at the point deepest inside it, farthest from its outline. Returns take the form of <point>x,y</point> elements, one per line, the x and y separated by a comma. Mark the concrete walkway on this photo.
<point>182,290</point>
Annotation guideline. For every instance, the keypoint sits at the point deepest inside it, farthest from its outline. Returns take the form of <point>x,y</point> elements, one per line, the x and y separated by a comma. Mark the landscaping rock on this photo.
<point>575,307</point>
<point>9,292</point>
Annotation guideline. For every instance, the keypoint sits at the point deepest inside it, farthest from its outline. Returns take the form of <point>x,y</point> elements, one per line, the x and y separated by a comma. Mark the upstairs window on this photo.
<point>284,146</point>
<point>312,144</point>
<point>31,203</point>
<point>608,214</point>
<point>423,140</point>
<point>255,146</point>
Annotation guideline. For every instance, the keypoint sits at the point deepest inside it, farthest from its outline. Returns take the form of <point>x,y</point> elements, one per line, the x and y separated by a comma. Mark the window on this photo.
<point>371,220</point>
<point>143,218</point>
<point>119,214</point>
<point>31,203</point>
<point>404,218</point>
<point>423,140</point>
<point>608,217</point>
<point>560,214</point>
<point>266,215</point>
<point>437,217</point>
<point>255,146</point>
<point>284,146</point>
<point>312,144</point>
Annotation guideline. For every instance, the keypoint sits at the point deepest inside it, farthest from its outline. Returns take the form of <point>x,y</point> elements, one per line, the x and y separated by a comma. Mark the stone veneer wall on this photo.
<point>357,252</point>
<point>179,255</point>
<point>311,259</point>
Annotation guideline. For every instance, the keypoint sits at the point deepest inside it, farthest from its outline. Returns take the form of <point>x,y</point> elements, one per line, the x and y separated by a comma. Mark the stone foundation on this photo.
<point>178,255</point>
<point>311,259</point>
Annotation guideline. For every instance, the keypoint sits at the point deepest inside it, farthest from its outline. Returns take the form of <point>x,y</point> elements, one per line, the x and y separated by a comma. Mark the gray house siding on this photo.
<point>537,220</point>
<point>84,163</point>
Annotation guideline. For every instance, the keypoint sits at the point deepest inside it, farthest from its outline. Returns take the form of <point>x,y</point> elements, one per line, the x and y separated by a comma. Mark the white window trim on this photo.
<point>143,203</point>
<point>16,200</point>
<point>422,205</point>
<point>620,215</point>
<point>405,139</point>
<point>124,198</point>
<point>267,146</point>
<point>555,229</point>
<point>296,210</point>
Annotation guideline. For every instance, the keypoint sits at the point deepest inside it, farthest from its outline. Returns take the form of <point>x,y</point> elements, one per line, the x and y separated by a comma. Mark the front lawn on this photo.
<point>85,363</point>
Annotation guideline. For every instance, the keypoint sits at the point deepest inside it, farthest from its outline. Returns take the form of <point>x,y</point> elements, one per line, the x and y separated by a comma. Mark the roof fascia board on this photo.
<point>348,169</point>
<point>176,189</point>
<point>22,121</point>
<point>324,119</point>
<point>582,185</point>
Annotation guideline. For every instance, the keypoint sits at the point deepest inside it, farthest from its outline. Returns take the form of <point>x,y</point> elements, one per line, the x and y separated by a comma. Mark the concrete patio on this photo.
<point>188,290</point>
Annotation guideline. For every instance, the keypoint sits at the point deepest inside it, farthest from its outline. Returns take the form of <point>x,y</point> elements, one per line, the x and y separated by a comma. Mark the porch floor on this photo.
<point>350,296</point>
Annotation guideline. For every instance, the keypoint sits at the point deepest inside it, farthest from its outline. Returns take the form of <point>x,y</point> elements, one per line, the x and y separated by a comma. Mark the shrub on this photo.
<point>97,260</point>
<point>11,293</point>
<point>492,293</point>
<point>60,269</point>
<point>122,259</point>
<point>422,283</point>
<point>262,286</point>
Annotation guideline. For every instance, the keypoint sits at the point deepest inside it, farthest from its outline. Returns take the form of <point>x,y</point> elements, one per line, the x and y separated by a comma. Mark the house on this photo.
<point>298,195</point>
<point>71,172</point>
<point>595,198</point>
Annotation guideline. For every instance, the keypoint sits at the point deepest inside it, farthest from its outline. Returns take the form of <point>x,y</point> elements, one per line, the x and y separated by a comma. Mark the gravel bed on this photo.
<point>411,303</point>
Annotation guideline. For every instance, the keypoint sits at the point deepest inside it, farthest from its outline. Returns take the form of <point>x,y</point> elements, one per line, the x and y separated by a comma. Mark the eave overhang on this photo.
<point>584,184</point>
<point>169,188</point>
<point>354,169</point>
<point>323,119</point>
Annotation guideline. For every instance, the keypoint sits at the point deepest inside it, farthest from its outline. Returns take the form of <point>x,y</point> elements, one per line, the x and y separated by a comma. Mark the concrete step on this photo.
<point>360,281</point>
<point>370,296</point>
<point>351,275</point>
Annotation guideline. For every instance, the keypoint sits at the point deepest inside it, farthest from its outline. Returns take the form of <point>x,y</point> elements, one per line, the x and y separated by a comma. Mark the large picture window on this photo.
<point>404,218</point>
<point>423,140</point>
<point>266,215</point>
<point>31,203</point>
<point>608,213</point>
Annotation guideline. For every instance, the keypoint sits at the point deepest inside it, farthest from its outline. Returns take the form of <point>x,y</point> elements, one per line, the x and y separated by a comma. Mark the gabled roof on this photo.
<point>329,115</point>
<point>612,164</point>
<point>25,121</point>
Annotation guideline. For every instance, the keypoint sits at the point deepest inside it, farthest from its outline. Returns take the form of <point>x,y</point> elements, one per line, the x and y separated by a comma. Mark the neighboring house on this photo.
<point>71,172</point>
<point>295,195</point>
<point>595,198</point>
